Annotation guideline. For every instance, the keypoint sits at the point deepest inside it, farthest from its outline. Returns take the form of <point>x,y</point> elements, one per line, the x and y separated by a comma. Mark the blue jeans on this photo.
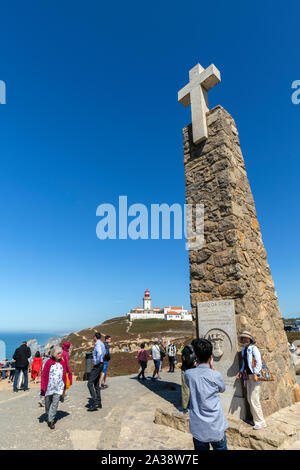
<point>17,373</point>
<point>156,364</point>
<point>219,445</point>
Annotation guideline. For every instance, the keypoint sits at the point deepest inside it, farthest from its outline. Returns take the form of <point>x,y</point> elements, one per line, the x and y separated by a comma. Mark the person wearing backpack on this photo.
<point>188,361</point>
<point>250,371</point>
<point>171,356</point>
<point>207,420</point>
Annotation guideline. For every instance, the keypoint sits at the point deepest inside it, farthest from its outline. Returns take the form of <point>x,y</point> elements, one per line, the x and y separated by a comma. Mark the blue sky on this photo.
<point>92,114</point>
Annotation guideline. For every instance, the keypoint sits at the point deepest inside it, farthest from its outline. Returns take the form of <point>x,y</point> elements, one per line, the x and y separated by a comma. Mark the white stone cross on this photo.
<point>195,94</point>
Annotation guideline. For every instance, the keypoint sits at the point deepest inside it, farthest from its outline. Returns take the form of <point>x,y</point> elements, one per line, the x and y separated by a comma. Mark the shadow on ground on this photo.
<point>169,391</point>
<point>59,415</point>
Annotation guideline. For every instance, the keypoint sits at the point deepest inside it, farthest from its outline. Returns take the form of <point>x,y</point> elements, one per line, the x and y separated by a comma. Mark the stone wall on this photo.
<point>233,262</point>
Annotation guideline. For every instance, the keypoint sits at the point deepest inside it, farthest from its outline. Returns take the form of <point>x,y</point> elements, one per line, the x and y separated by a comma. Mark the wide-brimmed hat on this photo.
<point>247,334</point>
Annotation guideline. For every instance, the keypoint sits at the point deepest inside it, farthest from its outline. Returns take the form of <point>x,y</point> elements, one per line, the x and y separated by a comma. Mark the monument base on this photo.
<point>282,431</point>
<point>234,406</point>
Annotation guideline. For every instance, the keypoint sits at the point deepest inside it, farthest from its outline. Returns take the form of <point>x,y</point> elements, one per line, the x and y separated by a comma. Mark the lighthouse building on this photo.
<point>165,313</point>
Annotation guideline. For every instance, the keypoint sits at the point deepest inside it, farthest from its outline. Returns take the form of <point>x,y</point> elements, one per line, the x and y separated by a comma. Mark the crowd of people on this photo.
<point>159,351</point>
<point>201,382</point>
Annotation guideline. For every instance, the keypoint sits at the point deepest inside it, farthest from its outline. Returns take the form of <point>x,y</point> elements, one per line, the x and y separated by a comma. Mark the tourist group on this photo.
<point>201,382</point>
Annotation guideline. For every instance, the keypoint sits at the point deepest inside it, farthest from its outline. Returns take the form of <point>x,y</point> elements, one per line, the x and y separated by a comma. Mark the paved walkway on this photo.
<point>125,421</point>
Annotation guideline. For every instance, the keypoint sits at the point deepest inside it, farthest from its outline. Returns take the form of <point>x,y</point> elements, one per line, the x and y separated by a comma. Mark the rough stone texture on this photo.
<point>174,420</point>
<point>233,263</point>
<point>282,432</point>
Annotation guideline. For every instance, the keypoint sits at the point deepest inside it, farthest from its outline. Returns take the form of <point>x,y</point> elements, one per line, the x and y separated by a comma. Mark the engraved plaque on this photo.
<point>216,322</point>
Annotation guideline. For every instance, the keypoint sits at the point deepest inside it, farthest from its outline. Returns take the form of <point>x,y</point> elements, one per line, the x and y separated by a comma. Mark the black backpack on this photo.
<point>107,353</point>
<point>162,353</point>
<point>188,357</point>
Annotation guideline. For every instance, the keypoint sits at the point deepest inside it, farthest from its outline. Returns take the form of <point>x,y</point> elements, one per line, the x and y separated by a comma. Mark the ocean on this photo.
<point>10,341</point>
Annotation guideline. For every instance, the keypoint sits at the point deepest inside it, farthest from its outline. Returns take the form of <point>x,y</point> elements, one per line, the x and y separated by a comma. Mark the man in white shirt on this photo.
<point>93,382</point>
<point>155,352</point>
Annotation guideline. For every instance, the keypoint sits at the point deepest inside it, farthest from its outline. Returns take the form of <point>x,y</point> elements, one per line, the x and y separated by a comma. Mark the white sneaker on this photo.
<point>259,426</point>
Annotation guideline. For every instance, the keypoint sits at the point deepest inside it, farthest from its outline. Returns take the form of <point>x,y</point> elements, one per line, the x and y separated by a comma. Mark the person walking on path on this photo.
<point>207,419</point>
<point>250,371</point>
<point>36,366</point>
<point>94,379</point>
<point>66,357</point>
<point>171,355</point>
<point>53,383</point>
<point>21,356</point>
<point>106,360</point>
<point>142,360</point>
<point>156,356</point>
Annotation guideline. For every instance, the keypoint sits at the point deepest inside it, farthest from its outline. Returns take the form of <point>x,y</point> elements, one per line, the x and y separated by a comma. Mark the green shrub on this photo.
<point>293,336</point>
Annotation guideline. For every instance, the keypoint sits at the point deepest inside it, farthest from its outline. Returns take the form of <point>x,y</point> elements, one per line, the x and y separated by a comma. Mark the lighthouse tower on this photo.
<point>147,300</point>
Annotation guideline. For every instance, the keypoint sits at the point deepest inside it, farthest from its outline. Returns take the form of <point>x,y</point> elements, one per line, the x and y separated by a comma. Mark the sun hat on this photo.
<point>247,334</point>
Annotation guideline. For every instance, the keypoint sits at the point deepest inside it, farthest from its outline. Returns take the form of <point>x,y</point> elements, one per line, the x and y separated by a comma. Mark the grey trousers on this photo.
<point>51,405</point>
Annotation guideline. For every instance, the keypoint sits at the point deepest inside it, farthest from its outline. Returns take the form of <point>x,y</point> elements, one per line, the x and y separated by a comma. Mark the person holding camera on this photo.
<point>207,419</point>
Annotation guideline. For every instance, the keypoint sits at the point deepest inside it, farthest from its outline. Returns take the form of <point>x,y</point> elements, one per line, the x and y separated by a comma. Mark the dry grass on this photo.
<point>125,363</point>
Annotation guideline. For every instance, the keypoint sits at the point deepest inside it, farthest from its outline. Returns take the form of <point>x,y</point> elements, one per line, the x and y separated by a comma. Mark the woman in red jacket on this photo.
<point>53,384</point>
<point>36,366</point>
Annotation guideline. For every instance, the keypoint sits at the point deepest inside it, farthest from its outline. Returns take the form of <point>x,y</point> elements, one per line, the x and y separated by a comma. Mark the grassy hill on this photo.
<point>126,338</point>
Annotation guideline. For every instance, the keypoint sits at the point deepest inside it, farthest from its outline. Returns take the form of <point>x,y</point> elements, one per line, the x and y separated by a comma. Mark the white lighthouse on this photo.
<point>147,300</point>
<point>166,313</point>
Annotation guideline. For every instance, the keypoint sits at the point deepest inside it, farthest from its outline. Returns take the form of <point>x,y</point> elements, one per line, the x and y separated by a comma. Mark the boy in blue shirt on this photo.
<point>207,419</point>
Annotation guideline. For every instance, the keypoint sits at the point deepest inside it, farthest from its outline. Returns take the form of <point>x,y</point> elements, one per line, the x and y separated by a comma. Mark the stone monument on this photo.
<point>216,322</point>
<point>231,286</point>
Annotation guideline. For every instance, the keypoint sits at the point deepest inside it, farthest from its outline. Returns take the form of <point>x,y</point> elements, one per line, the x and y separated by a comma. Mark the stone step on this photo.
<point>282,431</point>
<point>276,436</point>
<point>294,446</point>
